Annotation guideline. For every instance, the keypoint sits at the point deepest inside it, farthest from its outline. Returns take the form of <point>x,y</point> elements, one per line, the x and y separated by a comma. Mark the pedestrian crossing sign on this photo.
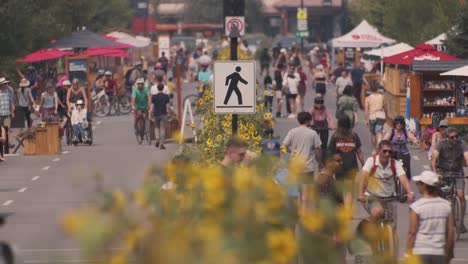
<point>234,87</point>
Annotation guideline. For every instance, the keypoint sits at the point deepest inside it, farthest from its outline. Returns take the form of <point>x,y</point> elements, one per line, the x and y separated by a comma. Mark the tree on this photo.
<point>457,38</point>
<point>412,21</point>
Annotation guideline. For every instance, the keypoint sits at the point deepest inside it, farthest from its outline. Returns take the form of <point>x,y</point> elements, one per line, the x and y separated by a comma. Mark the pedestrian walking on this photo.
<point>2,141</point>
<point>357,74</point>
<point>25,101</point>
<point>437,136</point>
<point>7,110</point>
<point>341,83</point>
<point>49,102</point>
<point>290,86</point>
<point>304,144</point>
<point>322,121</point>
<point>320,81</point>
<point>348,105</point>
<point>301,89</point>
<point>278,82</point>
<point>348,145</point>
<point>448,158</point>
<point>269,94</point>
<point>236,152</point>
<point>375,109</point>
<point>265,61</point>
<point>164,62</point>
<point>159,106</point>
<point>431,225</point>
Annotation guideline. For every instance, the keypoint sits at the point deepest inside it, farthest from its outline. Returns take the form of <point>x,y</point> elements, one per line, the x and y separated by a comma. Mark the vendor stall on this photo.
<point>435,94</point>
<point>350,44</point>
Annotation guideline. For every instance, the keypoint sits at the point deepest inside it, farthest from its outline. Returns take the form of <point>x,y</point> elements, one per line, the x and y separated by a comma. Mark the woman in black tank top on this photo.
<point>76,93</point>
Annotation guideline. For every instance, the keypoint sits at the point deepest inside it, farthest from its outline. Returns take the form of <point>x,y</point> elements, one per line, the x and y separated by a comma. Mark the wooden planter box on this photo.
<point>46,141</point>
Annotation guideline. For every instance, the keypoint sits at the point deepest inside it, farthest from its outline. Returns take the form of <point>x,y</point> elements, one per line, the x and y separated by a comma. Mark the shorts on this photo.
<point>301,91</point>
<point>5,121</point>
<point>278,94</point>
<point>389,207</point>
<point>291,96</point>
<point>459,182</point>
<point>376,126</point>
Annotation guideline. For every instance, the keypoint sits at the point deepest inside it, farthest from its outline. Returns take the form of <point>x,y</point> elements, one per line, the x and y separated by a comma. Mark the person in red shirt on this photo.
<point>109,84</point>
<point>302,87</point>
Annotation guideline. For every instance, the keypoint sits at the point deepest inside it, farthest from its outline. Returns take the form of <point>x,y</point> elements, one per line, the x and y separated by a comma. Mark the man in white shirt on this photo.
<point>291,82</point>
<point>341,83</point>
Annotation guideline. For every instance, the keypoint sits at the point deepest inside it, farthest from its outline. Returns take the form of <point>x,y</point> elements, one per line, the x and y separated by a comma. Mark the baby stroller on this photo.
<point>79,126</point>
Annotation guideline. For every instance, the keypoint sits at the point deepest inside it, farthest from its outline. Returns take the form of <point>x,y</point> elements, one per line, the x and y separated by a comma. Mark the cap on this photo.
<point>158,66</point>
<point>283,50</point>
<point>108,73</point>
<point>443,123</point>
<point>80,102</point>
<point>271,146</point>
<point>140,80</point>
<point>138,63</point>
<point>427,177</point>
<point>66,83</point>
<point>100,72</point>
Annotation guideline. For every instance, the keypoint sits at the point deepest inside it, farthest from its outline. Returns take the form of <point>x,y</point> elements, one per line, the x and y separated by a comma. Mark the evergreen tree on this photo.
<point>457,38</point>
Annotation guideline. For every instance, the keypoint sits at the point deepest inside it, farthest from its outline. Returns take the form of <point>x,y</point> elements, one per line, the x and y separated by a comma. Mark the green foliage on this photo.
<point>29,25</point>
<point>457,39</point>
<point>412,21</point>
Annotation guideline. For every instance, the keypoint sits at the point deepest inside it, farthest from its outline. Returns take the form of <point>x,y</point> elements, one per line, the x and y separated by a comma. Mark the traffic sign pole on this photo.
<point>234,35</point>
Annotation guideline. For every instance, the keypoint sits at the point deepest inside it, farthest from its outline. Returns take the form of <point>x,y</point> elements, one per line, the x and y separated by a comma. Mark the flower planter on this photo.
<point>46,141</point>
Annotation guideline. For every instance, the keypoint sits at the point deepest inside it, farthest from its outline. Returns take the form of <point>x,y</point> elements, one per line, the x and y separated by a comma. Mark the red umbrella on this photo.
<point>421,52</point>
<point>46,54</point>
<point>106,52</point>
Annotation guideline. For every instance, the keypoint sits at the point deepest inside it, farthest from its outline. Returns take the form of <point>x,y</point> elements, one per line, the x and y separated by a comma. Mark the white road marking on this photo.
<point>98,122</point>
<point>426,167</point>
<point>8,202</point>
<point>65,152</point>
<point>56,160</point>
<point>416,157</point>
<point>22,189</point>
<point>11,155</point>
<point>46,168</point>
<point>35,178</point>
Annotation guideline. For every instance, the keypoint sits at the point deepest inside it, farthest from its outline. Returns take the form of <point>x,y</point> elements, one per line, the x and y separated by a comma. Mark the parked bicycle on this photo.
<point>448,191</point>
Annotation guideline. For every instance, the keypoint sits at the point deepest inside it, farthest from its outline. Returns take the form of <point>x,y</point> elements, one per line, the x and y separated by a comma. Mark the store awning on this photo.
<point>106,52</point>
<point>43,55</point>
<point>422,52</point>
<point>137,42</point>
<point>462,71</point>
<point>119,45</point>
<point>362,36</point>
<point>388,51</point>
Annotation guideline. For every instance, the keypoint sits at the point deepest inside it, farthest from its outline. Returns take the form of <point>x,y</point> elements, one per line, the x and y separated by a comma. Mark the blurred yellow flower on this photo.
<point>313,222</point>
<point>282,245</point>
<point>119,200</point>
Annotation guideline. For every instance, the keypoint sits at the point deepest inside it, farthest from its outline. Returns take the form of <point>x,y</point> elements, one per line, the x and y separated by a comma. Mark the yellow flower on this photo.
<point>119,200</point>
<point>209,142</point>
<point>282,245</point>
<point>313,222</point>
<point>192,126</point>
<point>284,149</point>
<point>219,137</point>
<point>412,259</point>
<point>120,258</point>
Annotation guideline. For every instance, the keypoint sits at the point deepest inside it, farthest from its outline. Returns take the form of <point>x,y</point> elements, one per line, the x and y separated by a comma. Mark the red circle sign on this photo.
<point>237,22</point>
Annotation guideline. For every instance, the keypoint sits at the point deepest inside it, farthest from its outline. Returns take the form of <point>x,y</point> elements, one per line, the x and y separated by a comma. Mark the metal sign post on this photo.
<point>234,35</point>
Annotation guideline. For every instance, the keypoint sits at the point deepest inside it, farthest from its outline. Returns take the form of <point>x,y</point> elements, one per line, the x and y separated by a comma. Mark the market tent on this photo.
<point>420,53</point>
<point>120,45</point>
<point>124,38</point>
<point>82,39</point>
<point>43,55</point>
<point>362,36</point>
<point>106,52</point>
<point>388,51</point>
<point>462,71</point>
<point>439,40</point>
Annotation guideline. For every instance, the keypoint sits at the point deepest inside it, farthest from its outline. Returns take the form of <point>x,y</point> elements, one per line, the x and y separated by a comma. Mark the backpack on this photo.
<point>399,192</point>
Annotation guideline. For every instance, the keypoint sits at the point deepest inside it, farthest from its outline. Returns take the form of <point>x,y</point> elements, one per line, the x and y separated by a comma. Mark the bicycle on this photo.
<point>120,104</point>
<point>385,244</point>
<point>448,191</point>
<point>142,127</point>
<point>397,155</point>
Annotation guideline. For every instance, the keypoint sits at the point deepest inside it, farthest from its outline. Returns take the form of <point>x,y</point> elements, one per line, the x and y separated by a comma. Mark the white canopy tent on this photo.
<point>138,41</point>
<point>363,36</point>
<point>462,71</point>
<point>389,51</point>
<point>439,40</point>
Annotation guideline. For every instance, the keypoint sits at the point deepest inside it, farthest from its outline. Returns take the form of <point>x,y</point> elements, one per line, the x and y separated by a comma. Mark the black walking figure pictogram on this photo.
<point>235,78</point>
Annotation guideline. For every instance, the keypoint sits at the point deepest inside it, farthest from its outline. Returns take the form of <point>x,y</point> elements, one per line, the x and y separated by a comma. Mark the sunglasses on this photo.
<point>387,151</point>
<point>319,102</point>
<point>453,137</point>
<point>443,126</point>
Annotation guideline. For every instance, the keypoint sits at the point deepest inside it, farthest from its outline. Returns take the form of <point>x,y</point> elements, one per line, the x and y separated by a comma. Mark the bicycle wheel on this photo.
<point>139,130</point>
<point>389,248</point>
<point>124,105</point>
<point>457,217</point>
<point>102,107</point>
<point>69,133</point>
<point>147,133</point>
<point>90,135</point>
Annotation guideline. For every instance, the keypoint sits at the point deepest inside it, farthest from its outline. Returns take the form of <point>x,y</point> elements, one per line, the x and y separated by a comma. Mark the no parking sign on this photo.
<point>238,21</point>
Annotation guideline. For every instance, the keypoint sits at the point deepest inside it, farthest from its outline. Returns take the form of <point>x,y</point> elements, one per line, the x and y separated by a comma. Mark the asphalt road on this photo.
<point>36,190</point>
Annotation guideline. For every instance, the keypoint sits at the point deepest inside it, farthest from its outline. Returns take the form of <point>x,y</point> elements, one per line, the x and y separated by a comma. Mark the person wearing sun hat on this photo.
<point>25,100</point>
<point>431,228</point>
<point>7,109</point>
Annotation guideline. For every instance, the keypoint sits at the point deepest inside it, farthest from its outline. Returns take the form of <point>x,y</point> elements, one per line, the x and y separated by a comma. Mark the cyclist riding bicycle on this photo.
<point>399,137</point>
<point>378,180</point>
<point>140,99</point>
